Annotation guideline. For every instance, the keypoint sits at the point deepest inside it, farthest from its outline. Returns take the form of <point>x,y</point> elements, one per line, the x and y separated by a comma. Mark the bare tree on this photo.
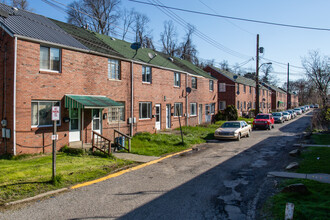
<point>101,15</point>
<point>142,32</point>
<point>187,50</point>
<point>268,77</point>
<point>318,71</point>
<point>21,4</point>
<point>128,21</point>
<point>168,38</point>
<point>224,65</point>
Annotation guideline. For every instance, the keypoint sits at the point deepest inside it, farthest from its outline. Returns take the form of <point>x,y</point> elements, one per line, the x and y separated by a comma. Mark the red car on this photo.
<point>265,121</point>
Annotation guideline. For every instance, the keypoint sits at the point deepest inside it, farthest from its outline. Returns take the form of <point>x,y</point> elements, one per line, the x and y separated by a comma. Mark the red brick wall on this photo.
<point>6,107</point>
<point>87,74</point>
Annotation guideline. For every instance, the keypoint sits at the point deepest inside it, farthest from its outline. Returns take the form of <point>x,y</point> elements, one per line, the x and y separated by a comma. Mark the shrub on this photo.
<point>72,151</point>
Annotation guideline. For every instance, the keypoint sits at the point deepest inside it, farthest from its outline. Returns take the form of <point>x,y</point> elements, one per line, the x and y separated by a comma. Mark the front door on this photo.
<point>168,116</point>
<point>74,126</point>
<point>207,113</point>
<point>200,114</point>
<point>158,114</point>
<point>96,121</point>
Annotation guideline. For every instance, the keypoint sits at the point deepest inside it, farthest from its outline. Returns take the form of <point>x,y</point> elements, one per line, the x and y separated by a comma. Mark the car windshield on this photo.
<point>297,109</point>
<point>277,114</point>
<point>231,125</point>
<point>262,117</point>
<point>285,113</point>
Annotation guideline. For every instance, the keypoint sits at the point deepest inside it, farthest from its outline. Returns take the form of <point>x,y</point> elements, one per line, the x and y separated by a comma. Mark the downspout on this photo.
<point>186,100</point>
<point>14,94</point>
<point>132,101</point>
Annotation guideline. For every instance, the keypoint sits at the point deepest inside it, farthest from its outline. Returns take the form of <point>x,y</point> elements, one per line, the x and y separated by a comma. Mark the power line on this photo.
<point>299,67</point>
<point>235,18</point>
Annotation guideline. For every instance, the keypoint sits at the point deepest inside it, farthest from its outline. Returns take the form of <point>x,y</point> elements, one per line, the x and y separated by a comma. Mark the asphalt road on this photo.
<point>219,180</point>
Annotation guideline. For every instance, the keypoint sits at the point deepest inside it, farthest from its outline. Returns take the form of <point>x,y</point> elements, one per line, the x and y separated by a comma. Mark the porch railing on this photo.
<point>120,140</point>
<point>101,143</point>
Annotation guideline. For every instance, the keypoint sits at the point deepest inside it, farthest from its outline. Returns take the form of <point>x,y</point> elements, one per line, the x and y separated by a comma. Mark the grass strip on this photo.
<point>28,176</point>
<point>315,160</point>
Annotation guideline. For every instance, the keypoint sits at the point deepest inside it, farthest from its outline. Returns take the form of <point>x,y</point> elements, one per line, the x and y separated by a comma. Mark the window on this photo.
<point>113,69</point>
<point>178,109</point>
<point>212,108</point>
<point>244,104</point>
<point>244,88</point>
<point>145,110</point>
<point>177,79</point>
<point>222,105</point>
<point>146,74</point>
<point>50,58</point>
<point>194,82</point>
<point>222,87</point>
<point>193,109</point>
<point>116,113</point>
<point>41,113</point>
<point>237,88</point>
<point>250,89</point>
<point>237,104</point>
<point>211,85</point>
<point>263,92</point>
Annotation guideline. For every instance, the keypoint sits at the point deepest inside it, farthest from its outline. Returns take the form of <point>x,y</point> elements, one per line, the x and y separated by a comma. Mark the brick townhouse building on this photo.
<point>292,99</point>
<point>99,82</point>
<point>279,98</point>
<point>239,91</point>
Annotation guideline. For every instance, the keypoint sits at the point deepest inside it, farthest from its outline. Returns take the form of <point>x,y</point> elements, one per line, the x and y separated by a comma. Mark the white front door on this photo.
<point>158,115</point>
<point>168,116</point>
<point>96,121</point>
<point>74,127</point>
<point>207,113</point>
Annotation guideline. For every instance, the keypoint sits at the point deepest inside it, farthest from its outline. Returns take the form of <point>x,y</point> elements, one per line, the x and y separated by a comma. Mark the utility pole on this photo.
<point>257,77</point>
<point>288,100</point>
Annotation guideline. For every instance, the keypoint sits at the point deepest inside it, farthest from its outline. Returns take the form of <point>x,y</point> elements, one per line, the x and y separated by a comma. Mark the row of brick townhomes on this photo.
<point>99,82</point>
<point>240,91</point>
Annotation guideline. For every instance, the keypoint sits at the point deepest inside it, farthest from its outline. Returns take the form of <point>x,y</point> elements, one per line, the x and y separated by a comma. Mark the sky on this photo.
<point>235,41</point>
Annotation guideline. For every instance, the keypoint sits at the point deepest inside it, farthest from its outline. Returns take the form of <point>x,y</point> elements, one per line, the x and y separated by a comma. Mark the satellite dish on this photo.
<point>136,45</point>
<point>188,90</point>
<point>151,56</point>
<point>235,77</point>
<point>237,92</point>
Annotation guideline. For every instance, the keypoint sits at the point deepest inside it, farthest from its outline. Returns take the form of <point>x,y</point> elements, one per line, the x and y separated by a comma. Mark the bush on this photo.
<point>229,114</point>
<point>72,151</point>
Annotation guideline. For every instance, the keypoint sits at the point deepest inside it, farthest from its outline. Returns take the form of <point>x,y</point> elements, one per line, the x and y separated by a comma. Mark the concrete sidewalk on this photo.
<point>320,177</point>
<point>135,157</point>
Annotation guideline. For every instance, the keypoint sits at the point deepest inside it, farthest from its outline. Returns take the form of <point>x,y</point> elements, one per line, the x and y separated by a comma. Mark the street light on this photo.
<point>257,85</point>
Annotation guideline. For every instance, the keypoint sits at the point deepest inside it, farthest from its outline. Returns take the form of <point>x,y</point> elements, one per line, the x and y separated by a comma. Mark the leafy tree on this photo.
<point>230,114</point>
<point>101,15</point>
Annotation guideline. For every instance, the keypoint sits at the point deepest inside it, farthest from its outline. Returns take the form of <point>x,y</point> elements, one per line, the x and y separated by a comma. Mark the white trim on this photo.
<point>14,101</point>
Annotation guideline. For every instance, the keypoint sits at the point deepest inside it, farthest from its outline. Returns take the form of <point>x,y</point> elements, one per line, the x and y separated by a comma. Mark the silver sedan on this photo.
<point>233,130</point>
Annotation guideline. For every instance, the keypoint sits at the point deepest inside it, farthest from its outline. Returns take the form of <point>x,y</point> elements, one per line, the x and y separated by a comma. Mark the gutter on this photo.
<point>14,97</point>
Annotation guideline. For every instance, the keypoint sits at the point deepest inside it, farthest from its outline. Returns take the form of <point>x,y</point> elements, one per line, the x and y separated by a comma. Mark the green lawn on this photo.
<point>315,160</point>
<point>322,139</point>
<point>28,176</point>
<point>162,144</point>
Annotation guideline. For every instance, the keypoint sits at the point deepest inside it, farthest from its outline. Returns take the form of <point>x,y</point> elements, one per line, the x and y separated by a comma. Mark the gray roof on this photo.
<point>240,79</point>
<point>275,88</point>
<point>23,23</point>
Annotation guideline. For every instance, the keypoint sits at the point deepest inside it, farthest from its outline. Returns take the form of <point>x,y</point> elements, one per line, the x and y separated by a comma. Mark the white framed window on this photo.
<point>211,85</point>
<point>116,113</point>
<point>222,105</point>
<point>113,69</point>
<point>177,79</point>
<point>193,109</point>
<point>145,110</point>
<point>222,87</point>
<point>50,59</point>
<point>41,113</point>
<point>178,109</point>
<point>244,88</point>
<point>244,104</point>
<point>146,74</point>
<point>194,82</point>
<point>250,89</point>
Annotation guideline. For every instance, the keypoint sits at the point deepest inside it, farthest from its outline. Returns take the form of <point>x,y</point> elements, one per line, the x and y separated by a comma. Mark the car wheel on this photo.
<point>238,137</point>
<point>248,134</point>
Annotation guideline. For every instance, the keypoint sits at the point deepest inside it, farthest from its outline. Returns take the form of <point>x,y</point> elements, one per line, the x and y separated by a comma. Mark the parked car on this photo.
<point>298,111</point>
<point>233,130</point>
<point>311,106</point>
<point>316,106</point>
<point>293,114</point>
<point>263,120</point>
<point>278,117</point>
<point>286,116</point>
<point>302,109</point>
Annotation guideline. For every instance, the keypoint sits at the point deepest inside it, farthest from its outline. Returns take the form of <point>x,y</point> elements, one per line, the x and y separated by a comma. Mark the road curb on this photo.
<point>36,197</point>
<point>127,170</point>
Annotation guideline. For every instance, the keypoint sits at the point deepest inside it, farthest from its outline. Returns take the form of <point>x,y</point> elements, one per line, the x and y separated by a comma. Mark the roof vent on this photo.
<point>112,38</point>
<point>14,8</point>
<point>171,59</point>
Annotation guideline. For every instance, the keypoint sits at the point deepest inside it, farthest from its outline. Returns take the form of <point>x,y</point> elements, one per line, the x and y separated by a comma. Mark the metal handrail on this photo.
<point>126,136</point>
<point>97,144</point>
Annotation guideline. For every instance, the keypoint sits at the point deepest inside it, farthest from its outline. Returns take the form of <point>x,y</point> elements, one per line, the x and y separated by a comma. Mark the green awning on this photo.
<point>89,101</point>
<point>280,102</point>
